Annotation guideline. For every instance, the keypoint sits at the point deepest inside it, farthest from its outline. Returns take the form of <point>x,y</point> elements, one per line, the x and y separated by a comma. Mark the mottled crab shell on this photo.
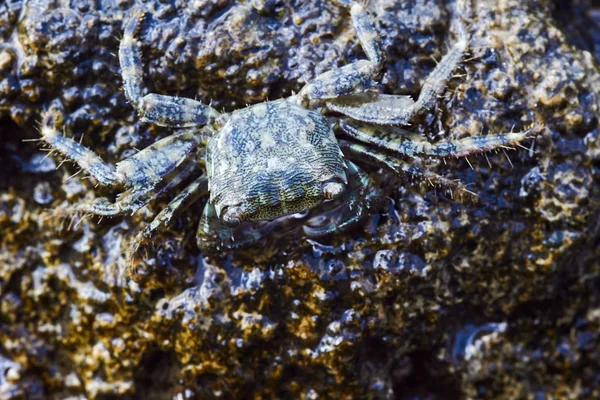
<point>271,160</point>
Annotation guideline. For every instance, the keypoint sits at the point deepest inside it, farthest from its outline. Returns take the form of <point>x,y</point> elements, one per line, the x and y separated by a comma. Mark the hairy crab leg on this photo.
<point>359,152</point>
<point>86,159</point>
<point>175,112</point>
<point>146,168</point>
<point>133,200</point>
<point>398,142</point>
<point>384,109</point>
<point>437,80</point>
<point>355,76</point>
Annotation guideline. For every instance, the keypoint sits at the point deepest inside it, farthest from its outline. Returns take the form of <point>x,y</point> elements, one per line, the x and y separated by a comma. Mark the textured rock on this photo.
<point>429,298</point>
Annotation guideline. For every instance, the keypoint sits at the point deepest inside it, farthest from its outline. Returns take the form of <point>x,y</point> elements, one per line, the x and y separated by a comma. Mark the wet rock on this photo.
<point>429,297</point>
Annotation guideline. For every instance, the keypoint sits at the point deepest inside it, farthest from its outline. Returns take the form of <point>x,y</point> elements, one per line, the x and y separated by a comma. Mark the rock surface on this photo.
<point>429,298</point>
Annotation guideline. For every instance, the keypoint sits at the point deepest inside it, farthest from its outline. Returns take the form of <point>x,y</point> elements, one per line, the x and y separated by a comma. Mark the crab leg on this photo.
<point>197,189</point>
<point>146,168</point>
<point>135,199</point>
<point>359,152</point>
<point>399,110</point>
<point>355,76</point>
<point>175,112</point>
<point>406,144</point>
<point>436,82</point>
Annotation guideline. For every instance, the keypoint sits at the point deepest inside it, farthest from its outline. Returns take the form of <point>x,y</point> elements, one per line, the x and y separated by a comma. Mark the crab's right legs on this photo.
<point>87,160</point>
<point>176,112</point>
<point>146,167</point>
<point>352,77</point>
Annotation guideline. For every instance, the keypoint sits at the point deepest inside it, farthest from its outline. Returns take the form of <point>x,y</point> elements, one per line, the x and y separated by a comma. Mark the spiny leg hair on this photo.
<point>362,153</point>
<point>174,112</point>
<point>403,143</point>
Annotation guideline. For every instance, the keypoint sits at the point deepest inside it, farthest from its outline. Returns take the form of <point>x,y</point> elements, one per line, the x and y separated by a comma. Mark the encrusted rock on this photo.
<point>430,297</point>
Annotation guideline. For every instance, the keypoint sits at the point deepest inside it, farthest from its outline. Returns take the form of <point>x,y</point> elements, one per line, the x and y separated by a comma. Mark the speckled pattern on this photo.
<point>428,298</point>
<point>272,160</point>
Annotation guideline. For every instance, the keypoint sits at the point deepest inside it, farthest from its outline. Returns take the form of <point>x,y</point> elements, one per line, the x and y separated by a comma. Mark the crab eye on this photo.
<point>332,189</point>
<point>232,216</point>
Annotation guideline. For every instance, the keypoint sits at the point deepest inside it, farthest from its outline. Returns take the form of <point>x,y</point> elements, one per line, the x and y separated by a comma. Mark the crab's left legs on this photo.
<point>360,196</point>
<point>197,189</point>
<point>407,144</point>
<point>352,77</point>
<point>399,110</point>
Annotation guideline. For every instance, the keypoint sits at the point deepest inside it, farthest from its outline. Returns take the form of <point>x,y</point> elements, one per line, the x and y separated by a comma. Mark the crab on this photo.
<point>276,158</point>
